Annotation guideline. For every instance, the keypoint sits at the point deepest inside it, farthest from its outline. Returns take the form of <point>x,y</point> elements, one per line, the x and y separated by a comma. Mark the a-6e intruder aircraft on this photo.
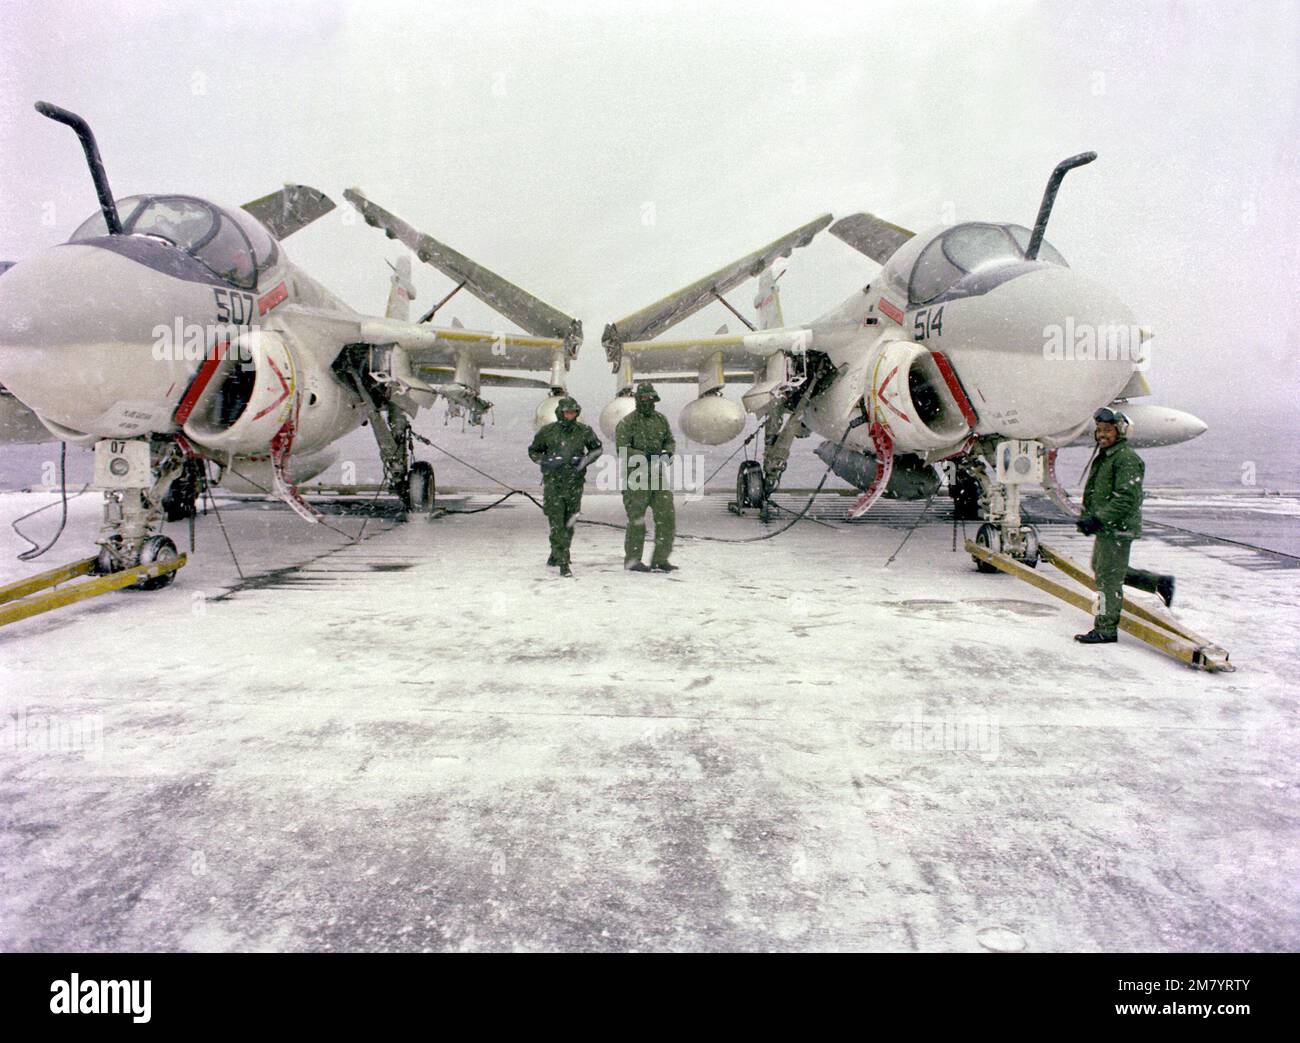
<point>976,347</point>
<point>266,368</point>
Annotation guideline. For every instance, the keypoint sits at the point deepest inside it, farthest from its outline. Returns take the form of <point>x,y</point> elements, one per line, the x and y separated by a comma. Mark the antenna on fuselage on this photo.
<point>1049,197</point>
<point>82,129</point>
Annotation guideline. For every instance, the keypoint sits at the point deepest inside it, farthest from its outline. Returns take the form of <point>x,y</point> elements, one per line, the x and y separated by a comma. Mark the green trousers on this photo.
<point>1110,566</point>
<point>561,501</point>
<point>660,503</point>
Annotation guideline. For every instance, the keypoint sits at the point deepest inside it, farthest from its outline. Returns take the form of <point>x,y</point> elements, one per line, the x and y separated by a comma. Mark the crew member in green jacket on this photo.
<point>564,450</point>
<point>643,439</point>
<point>1112,512</point>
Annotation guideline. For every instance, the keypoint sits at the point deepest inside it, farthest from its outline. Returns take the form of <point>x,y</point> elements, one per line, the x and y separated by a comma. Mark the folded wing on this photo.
<point>871,235</point>
<point>534,316</point>
<point>293,207</point>
<point>651,321</point>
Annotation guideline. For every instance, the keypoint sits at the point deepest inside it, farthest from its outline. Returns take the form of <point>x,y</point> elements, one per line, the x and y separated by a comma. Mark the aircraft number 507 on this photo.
<point>928,323</point>
<point>232,307</point>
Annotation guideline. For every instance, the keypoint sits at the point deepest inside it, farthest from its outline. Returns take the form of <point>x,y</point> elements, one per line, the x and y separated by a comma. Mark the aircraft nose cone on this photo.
<point>77,331</point>
<point>1043,350</point>
<point>19,291</point>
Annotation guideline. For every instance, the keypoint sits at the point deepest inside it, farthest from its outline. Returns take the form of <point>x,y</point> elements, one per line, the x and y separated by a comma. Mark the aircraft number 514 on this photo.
<point>928,323</point>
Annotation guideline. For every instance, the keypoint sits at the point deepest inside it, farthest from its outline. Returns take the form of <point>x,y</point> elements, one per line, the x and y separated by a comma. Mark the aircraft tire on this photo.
<point>749,485</point>
<point>988,536</point>
<point>421,488</point>
<point>156,548</point>
<point>1031,547</point>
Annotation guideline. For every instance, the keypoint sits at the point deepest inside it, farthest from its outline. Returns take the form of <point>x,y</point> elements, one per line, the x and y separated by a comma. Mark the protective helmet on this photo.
<point>1106,415</point>
<point>567,405</point>
<point>647,390</point>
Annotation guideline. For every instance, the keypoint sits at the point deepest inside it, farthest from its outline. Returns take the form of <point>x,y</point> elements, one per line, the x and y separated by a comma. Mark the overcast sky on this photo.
<point>602,155</point>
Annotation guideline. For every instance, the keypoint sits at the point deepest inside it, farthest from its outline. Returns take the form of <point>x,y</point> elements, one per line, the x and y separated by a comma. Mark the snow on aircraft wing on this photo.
<point>871,235</point>
<point>650,322</point>
<point>433,347</point>
<point>291,208</point>
<point>519,306</point>
<point>738,350</point>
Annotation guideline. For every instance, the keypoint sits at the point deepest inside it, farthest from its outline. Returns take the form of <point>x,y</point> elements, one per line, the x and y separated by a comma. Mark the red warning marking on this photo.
<point>884,453</point>
<point>880,394</point>
<point>954,385</point>
<point>276,296</point>
<point>284,389</point>
<point>966,447</point>
<point>201,381</point>
<point>892,310</point>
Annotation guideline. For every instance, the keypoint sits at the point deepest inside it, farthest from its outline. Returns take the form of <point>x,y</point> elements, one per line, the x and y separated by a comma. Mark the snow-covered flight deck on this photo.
<point>427,740</point>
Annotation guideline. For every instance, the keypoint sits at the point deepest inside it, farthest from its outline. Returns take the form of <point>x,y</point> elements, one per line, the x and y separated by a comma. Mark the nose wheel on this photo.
<point>1028,550</point>
<point>114,557</point>
<point>1021,544</point>
<point>989,536</point>
<point>156,549</point>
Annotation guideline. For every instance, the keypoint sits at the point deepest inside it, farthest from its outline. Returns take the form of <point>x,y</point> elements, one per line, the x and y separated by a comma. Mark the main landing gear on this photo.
<point>967,487</point>
<point>756,482</point>
<point>181,501</point>
<point>412,480</point>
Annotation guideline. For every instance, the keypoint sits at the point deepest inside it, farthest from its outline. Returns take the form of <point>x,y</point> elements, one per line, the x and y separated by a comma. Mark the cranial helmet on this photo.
<point>567,405</point>
<point>647,390</point>
<point>1106,415</point>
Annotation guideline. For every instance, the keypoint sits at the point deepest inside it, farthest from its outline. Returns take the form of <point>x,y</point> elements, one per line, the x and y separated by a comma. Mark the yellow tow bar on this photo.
<point>24,599</point>
<point>1157,629</point>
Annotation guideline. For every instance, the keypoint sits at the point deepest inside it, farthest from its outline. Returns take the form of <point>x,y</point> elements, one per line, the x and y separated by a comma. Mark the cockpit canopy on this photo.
<point>968,249</point>
<point>231,244</point>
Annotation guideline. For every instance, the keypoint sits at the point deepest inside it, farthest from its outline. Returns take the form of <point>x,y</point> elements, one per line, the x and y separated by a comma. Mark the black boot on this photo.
<point>1095,637</point>
<point>565,570</point>
<point>551,560</point>
<point>1165,588</point>
<point>636,566</point>
<point>665,567</point>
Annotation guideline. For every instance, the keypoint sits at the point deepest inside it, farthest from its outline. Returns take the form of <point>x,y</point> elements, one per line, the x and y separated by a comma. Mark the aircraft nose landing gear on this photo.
<point>132,553</point>
<point>137,477</point>
<point>1017,462</point>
